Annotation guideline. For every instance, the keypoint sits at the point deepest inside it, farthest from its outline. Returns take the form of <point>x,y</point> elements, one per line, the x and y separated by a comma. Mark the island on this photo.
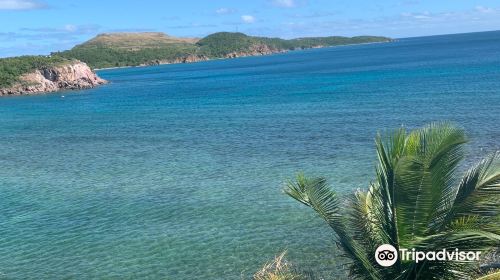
<point>74,68</point>
<point>152,48</point>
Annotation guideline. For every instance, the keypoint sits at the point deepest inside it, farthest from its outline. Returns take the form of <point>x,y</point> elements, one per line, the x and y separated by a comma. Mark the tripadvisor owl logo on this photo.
<point>386,255</point>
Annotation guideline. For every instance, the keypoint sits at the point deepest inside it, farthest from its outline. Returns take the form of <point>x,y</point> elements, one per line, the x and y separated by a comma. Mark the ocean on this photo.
<point>177,171</point>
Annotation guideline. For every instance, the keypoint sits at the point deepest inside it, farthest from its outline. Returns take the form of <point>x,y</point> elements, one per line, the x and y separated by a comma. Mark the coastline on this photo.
<point>71,75</point>
<point>45,80</point>
<point>242,56</point>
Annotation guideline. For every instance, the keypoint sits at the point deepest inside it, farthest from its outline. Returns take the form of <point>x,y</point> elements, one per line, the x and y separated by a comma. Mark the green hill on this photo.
<point>136,41</point>
<point>223,43</point>
<point>134,49</point>
<point>220,44</point>
<point>130,49</point>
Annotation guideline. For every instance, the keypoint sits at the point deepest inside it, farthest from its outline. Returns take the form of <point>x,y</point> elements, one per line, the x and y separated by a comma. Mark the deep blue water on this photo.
<point>176,171</point>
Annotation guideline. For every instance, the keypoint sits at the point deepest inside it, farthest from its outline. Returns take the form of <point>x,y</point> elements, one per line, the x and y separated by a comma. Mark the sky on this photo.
<point>43,26</point>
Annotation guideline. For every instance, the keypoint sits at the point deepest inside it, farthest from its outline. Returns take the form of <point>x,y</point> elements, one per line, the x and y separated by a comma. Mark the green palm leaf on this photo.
<point>316,194</point>
<point>416,201</point>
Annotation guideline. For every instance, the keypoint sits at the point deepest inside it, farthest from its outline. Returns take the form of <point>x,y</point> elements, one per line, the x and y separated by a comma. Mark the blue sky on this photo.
<point>42,26</point>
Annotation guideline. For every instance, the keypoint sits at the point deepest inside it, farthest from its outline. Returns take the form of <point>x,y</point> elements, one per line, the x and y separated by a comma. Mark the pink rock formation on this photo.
<point>72,76</point>
<point>255,50</point>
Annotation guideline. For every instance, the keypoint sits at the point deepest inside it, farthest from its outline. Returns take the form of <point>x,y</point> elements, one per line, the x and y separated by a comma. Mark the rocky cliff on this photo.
<point>69,76</point>
<point>254,50</point>
<point>185,59</point>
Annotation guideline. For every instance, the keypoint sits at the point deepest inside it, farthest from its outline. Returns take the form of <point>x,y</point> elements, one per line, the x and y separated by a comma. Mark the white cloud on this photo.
<point>248,19</point>
<point>70,28</point>
<point>284,3</point>
<point>396,26</point>
<point>424,15</point>
<point>224,11</point>
<point>421,17</point>
<point>485,10</point>
<point>20,5</point>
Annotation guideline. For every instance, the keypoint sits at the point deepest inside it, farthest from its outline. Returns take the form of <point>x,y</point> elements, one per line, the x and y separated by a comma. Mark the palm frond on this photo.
<point>362,221</point>
<point>389,150</point>
<point>316,194</point>
<point>478,194</point>
<point>424,175</point>
<point>415,201</point>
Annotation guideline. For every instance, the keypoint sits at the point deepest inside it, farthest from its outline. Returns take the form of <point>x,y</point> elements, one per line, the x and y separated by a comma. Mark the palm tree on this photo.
<point>417,200</point>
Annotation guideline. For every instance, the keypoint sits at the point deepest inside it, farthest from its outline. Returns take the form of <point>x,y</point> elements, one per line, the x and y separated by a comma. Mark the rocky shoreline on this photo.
<point>71,76</point>
<point>256,50</point>
<point>77,75</point>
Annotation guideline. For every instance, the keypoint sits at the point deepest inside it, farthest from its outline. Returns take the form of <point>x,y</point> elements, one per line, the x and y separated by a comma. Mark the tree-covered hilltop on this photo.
<point>133,49</point>
<point>223,43</point>
<point>12,68</point>
<point>130,49</point>
<point>104,57</point>
<point>336,41</point>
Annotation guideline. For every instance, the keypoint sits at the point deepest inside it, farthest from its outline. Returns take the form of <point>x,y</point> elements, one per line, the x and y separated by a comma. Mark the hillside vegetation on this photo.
<point>148,48</point>
<point>12,68</point>
<point>133,49</point>
<point>104,57</point>
<point>136,41</point>
<point>223,43</point>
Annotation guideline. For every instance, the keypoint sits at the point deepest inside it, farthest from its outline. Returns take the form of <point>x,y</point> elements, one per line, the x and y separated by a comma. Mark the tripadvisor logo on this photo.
<point>386,255</point>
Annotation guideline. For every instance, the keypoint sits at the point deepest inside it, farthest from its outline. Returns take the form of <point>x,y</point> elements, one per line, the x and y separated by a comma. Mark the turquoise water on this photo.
<point>176,171</point>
